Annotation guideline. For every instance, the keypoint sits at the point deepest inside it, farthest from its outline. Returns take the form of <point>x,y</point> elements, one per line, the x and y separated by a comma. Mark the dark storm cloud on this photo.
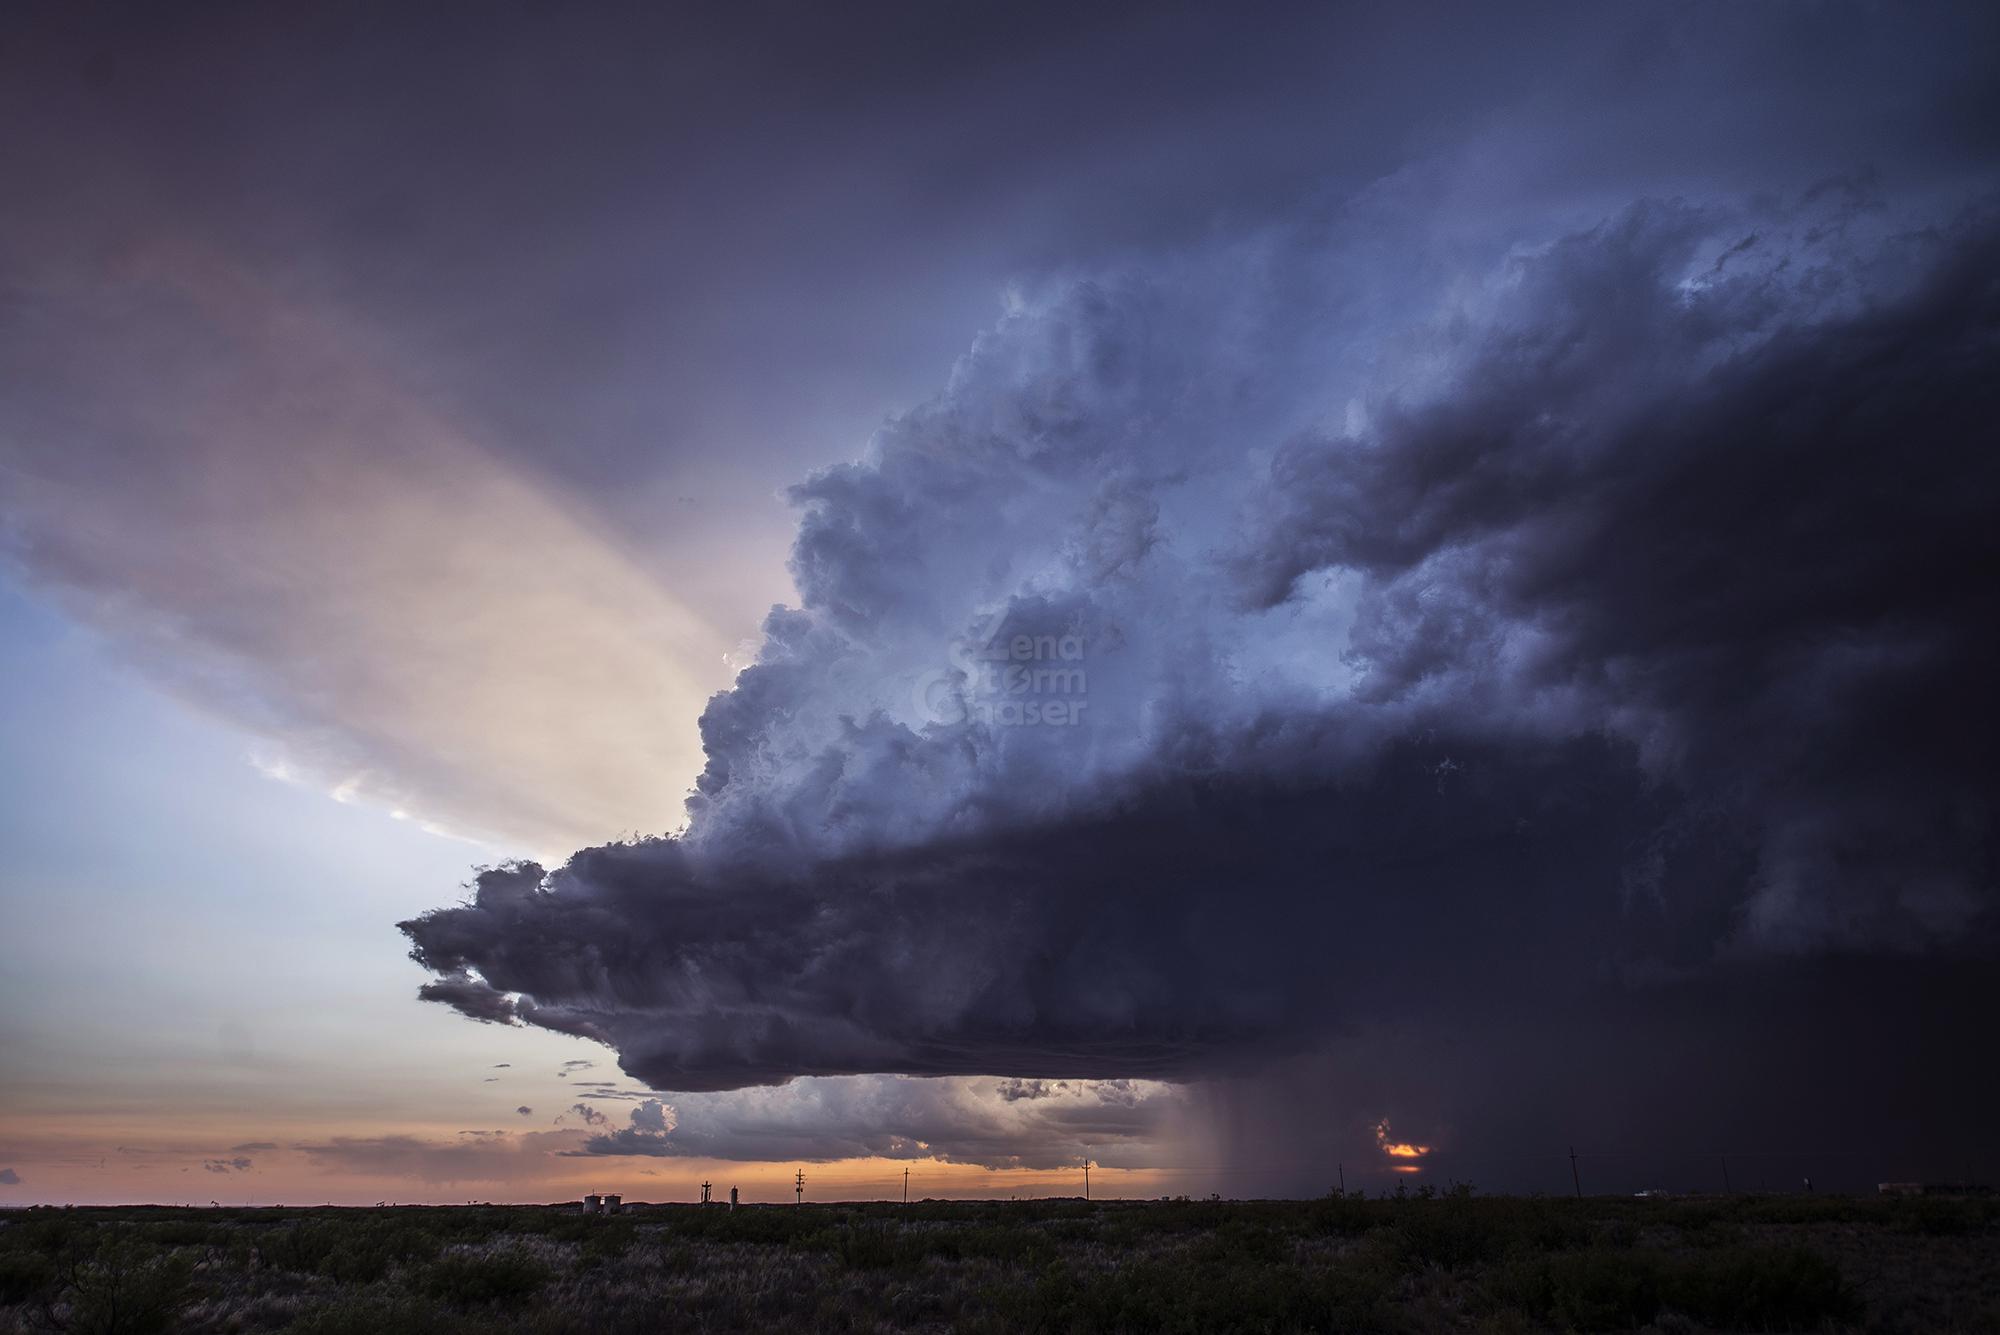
<point>477,1002</point>
<point>1764,565</point>
<point>1624,640</point>
<point>549,272</point>
<point>9,1178</point>
<point>1093,947</point>
<point>240,1164</point>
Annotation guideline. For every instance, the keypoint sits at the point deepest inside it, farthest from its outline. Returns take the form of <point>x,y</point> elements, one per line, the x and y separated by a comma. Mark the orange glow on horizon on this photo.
<point>116,1160</point>
<point>1399,1149</point>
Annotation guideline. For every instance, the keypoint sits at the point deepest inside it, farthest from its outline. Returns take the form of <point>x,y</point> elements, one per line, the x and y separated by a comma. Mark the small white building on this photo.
<point>593,1204</point>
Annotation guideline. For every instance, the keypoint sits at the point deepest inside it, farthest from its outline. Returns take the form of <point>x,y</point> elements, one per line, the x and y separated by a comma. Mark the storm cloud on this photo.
<point>1614,630</point>
<point>1446,594</point>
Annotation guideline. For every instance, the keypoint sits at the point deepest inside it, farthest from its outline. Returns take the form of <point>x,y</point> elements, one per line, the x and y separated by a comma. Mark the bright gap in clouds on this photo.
<point>403,616</point>
<point>211,969</point>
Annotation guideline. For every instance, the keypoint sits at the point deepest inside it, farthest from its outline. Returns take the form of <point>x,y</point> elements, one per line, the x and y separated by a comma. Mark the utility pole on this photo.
<point>1573,1173</point>
<point>1342,1170</point>
<point>704,1193</point>
<point>1726,1189</point>
<point>799,1188</point>
<point>906,1186</point>
<point>1086,1179</point>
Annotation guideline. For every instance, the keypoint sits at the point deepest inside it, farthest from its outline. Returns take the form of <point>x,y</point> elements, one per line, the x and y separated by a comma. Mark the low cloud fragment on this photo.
<point>955,1120</point>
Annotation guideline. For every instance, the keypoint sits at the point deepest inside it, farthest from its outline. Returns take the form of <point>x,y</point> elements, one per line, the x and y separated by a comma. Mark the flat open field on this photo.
<point>1737,1263</point>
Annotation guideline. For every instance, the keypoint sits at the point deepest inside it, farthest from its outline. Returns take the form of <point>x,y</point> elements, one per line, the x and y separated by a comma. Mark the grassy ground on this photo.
<point>1344,1263</point>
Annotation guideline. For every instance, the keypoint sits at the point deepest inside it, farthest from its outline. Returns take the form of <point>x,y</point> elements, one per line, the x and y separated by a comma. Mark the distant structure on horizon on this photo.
<point>1932,1189</point>
<point>606,1203</point>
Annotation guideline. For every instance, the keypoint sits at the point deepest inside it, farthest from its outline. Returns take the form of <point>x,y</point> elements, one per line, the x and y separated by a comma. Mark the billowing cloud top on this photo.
<point>1332,626</point>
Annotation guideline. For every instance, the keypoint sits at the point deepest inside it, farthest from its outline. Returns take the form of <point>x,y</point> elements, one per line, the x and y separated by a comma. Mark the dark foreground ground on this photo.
<point>1737,1263</point>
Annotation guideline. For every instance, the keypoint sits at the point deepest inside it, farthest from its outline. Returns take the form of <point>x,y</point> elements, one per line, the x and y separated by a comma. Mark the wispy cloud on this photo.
<point>495,1157</point>
<point>264,515</point>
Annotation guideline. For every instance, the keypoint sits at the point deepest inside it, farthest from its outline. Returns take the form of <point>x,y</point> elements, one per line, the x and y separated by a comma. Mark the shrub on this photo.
<point>1940,1217</point>
<point>608,1242</point>
<point>1584,1291</point>
<point>375,1314</point>
<point>1785,1288</point>
<point>1742,1289</point>
<point>1446,1234</point>
<point>1029,1247</point>
<point>873,1247</point>
<point>25,1275</point>
<point>1346,1213</point>
<point>501,1279</point>
<point>1240,1242</point>
<point>126,1289</point>
<point>50,1233</point>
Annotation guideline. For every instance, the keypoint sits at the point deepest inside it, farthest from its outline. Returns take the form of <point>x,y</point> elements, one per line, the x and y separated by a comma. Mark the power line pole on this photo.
<point>1573,1173</point>
<point>1086,1179</point>
<point>1726,1190</point>
<point>1342,1170</point>
<point>799,1188</point>
<point>906,1186</point>
<point>704,1193</point>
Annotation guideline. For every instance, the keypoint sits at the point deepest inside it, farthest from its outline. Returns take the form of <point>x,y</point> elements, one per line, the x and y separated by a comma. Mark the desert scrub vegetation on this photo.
<point>1456,1262</point>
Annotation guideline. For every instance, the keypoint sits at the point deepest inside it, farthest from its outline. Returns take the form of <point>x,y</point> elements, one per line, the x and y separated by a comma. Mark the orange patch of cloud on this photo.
<point>1399,1149</point>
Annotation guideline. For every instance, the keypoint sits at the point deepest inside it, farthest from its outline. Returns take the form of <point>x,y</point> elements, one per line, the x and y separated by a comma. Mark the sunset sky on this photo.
<point>599,597</point>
